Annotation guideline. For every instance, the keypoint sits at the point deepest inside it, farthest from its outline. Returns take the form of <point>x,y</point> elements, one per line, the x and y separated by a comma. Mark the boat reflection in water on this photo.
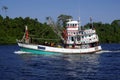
<point>74,66</point>
<point>82,65</point>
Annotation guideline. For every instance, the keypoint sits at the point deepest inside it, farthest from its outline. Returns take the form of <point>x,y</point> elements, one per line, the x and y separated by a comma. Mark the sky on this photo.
<point>104,11</point>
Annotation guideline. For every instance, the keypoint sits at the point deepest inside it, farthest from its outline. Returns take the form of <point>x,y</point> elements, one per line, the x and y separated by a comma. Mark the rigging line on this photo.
<point>45,39</point>
<point>44,30</point>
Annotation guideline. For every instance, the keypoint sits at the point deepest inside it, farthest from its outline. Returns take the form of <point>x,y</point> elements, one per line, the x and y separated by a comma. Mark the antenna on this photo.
<point>79,23</point>
<point>91,22</point>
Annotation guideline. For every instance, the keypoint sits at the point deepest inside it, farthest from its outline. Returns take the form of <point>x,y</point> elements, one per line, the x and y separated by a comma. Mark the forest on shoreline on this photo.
<point>12,29</point>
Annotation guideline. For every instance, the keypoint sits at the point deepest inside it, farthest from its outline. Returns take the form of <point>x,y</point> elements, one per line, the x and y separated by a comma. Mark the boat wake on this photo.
<point>21,52</point>
<point>107,51</point>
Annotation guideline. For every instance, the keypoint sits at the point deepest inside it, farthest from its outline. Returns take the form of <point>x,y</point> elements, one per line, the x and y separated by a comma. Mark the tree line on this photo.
<point>13,28</point>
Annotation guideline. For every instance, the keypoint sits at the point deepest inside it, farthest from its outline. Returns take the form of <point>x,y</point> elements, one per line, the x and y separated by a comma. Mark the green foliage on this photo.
<point>62,19</point>
<point>12,29</point>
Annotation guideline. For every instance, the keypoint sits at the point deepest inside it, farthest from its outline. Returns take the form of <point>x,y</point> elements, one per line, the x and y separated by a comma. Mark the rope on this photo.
<point>45,39</point>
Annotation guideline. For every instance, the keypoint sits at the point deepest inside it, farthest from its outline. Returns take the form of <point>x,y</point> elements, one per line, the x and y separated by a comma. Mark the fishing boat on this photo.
<point>75,40</point>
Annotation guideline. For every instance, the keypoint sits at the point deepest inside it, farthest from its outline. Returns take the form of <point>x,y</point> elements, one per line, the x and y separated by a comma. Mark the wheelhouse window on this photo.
<point>72,38</point>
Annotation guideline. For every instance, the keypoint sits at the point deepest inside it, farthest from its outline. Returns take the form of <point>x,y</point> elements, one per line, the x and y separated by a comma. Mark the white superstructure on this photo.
<point>79,38</point>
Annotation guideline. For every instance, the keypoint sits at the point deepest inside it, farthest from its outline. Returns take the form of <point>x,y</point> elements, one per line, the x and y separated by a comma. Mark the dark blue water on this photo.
<point>100,66</point>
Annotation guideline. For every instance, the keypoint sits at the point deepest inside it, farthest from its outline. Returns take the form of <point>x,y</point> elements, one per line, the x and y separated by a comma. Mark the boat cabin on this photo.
<point>75,37</point>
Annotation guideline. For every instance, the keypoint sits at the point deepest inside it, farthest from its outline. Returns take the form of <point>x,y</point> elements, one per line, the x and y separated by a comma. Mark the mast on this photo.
<point>26,35</point>
<point>79,23</point>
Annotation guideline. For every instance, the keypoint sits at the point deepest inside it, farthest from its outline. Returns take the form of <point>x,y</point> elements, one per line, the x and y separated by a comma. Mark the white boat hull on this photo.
<point>59,50</point>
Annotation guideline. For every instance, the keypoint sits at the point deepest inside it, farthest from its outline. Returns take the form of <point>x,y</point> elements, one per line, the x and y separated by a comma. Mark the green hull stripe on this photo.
<point>33,51</point>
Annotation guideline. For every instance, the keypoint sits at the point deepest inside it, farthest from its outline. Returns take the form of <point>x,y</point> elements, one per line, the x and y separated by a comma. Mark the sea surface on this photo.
<point>104,65</point>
